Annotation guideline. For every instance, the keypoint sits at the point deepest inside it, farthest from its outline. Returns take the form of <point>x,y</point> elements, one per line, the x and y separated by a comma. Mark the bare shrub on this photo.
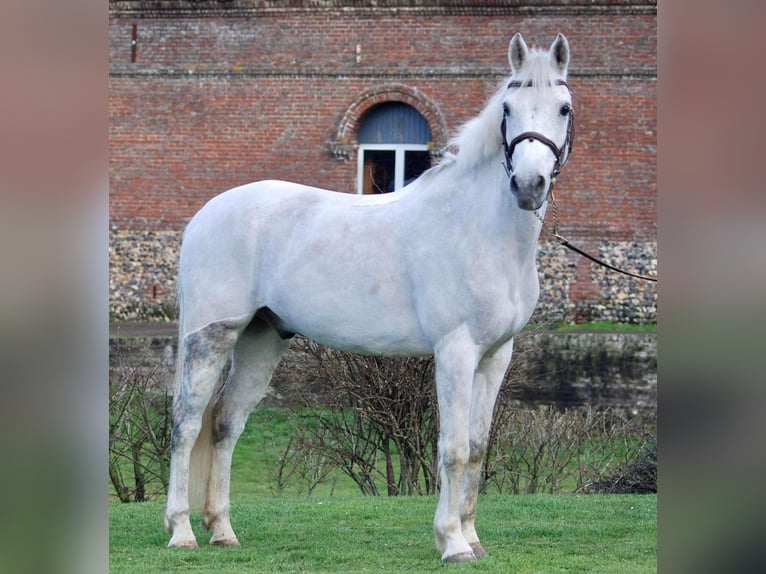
<point>378,424</point>
<point>139,429</point>
<point>281,462</point>
<point>316,466</point>
<point>375,420</point>
<point>378,421</point>
<point>302,459</point>
<point>545,449</point>
<point>637,475</point>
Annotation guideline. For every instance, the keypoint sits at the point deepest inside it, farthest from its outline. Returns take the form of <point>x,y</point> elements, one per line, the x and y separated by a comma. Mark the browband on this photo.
<point>518,84</point>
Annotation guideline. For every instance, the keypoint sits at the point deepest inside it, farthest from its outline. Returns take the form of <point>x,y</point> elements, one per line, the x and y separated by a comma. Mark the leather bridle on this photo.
<point>530,136</point>
<point>559,163</point>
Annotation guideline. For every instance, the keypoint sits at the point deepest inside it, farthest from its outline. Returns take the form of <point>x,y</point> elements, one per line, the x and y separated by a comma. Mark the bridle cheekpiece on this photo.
<point>530,136</point>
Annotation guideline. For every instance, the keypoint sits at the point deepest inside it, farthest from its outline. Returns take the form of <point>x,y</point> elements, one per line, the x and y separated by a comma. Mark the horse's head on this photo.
<point>538,120</point>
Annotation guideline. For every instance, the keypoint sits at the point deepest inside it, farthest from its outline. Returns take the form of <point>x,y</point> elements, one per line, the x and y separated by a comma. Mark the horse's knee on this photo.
<point>478,451</point>
<point>454,457</point>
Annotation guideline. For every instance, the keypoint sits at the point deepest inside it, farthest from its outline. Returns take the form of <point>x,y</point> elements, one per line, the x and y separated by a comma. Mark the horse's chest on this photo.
<point>494,306</point>
<point>501,318</point>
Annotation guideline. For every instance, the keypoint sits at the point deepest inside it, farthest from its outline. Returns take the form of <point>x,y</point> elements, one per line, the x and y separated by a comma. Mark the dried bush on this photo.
<point>302,459</point>
<point>545,449</point>
<point>378,421</point>
<point>139,429</point>
<point>635,476</point>
<point>378,424</point>
<point>375,419</point>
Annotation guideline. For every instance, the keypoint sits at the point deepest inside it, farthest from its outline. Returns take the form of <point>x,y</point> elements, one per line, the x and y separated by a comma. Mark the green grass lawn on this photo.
<point>266,434</point>
<point>601,327</point>
<point>348,532</point>
<point>524,534</point>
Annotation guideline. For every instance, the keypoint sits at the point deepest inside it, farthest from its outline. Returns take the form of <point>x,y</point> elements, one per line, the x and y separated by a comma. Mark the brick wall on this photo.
<point>215,94</point>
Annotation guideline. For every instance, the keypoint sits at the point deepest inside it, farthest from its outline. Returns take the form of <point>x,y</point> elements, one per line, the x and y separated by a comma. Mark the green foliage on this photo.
<point>524,534</point>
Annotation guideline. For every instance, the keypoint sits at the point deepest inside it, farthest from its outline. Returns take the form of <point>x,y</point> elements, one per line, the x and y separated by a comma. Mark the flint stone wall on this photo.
<point>144,264</point>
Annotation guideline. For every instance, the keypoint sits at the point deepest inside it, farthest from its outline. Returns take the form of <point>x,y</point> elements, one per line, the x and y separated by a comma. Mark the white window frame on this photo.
<point>399,150</point>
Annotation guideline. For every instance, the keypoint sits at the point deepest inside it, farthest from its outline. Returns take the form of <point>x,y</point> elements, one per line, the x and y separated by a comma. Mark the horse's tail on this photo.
<point>202,453</point>
<point>201,460</point>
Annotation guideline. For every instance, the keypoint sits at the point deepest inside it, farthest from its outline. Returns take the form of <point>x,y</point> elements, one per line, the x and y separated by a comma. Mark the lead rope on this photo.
<point>554,230</point>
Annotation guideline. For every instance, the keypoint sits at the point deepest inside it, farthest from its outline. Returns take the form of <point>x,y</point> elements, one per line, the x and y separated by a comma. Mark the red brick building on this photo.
<point>207,95</point>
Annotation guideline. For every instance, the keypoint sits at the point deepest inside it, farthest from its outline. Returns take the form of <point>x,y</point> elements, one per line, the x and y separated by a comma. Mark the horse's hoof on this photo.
<point>478,551</point>
<point>224,542</point>
<point>460,558</point>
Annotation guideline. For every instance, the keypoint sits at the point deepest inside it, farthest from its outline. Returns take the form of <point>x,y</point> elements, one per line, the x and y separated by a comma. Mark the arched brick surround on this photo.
<point>348,128</point>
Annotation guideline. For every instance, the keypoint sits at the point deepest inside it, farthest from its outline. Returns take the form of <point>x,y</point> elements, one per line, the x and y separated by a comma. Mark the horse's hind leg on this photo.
<point>202,355</point>
<point>256,355</point>
<point>489,376</point>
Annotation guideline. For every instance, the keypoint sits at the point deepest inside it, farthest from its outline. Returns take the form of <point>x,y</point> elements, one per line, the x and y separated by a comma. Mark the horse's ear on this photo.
<point>517,52</point>
<point>560,53</point>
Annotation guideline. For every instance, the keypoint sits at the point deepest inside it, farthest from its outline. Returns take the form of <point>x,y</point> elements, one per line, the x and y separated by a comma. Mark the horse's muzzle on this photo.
<point>531,191</point>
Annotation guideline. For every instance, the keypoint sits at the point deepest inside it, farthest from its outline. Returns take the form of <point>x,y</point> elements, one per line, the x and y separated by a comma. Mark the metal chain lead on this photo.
<point>555,210</point>
<point>554,229</point>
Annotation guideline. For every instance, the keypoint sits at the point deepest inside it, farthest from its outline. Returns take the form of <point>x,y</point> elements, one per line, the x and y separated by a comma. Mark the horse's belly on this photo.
<point>371,342</point>
<point>369,329</point>
<point>365,311</point>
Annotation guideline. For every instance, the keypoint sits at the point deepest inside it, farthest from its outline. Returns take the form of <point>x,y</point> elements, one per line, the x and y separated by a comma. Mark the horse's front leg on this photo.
<point>455,364</point>
<point>486,385</point>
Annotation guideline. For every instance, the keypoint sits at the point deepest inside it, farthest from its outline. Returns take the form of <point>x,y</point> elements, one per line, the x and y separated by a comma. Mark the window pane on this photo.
<point>394,122</point>
<point>415,163</point>
<point>378,171</point>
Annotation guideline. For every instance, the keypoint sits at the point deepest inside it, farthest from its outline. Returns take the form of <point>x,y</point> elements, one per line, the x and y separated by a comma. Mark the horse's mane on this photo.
<point>479,138</point>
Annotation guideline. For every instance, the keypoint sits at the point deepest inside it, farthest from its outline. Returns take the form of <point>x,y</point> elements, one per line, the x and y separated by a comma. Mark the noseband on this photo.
<point>530,136</point>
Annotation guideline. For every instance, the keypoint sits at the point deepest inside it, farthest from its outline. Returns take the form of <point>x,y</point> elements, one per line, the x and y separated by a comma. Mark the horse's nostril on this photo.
<point>514,185</point>
<point>541,182</point>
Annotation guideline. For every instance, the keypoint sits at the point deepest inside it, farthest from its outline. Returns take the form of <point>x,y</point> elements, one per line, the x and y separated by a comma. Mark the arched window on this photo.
<point>393,147</point>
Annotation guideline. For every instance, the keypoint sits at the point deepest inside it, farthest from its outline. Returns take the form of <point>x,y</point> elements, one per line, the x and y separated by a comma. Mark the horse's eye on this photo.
<point>506,111</point>
<point>566,109</point>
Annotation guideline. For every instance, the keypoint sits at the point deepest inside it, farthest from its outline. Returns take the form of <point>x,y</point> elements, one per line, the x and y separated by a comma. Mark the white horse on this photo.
<point>444,267</point>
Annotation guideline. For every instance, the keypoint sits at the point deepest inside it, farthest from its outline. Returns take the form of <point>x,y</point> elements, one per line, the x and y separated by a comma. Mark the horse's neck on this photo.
<point>526,228</point>
<point>487,200</point>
